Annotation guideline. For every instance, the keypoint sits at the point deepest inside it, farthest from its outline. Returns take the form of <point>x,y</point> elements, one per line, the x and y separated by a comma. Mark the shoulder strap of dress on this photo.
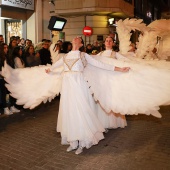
<point>82,55</point>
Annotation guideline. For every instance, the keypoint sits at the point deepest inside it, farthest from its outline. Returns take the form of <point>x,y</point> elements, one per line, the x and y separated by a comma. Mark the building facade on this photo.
<point>27,19</point>
<point>30,19</point>
<point>95,14</point>
<point>150,10</point>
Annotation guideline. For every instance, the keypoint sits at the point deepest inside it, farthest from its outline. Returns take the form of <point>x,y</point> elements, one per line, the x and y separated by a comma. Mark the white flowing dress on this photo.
<point>77,120</point>
<point>109,120</point>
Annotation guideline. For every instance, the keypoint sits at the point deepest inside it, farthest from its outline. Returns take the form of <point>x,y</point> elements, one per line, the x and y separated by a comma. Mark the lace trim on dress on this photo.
<point>83,59</point>
<point>70,62</point>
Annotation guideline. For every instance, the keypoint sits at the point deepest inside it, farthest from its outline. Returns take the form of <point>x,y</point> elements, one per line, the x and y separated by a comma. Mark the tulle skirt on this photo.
<point>77,119</point>
<point>110,120</point>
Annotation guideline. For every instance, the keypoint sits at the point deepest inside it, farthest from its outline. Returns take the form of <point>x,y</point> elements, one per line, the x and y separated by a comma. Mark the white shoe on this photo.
<point>7,111</point>
<point>69,149</point>
<point>14,109</point>
<point>79,150</point>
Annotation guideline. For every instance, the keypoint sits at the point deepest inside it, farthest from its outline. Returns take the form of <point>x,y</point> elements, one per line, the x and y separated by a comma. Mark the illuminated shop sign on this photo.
<point>26,4</point>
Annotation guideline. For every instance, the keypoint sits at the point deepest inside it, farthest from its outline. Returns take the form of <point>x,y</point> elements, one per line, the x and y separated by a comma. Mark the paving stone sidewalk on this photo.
<point>28,141</point>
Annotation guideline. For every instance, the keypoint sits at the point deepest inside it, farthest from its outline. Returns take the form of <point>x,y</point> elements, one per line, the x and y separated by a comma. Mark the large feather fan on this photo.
<point>162,25</point>
<point>124,28</point>
<point>146,44</point>
<point>148,38</point>
<point>163,48</point>
<point>124,37</point>
<point>162,29</point>
<point>55,56</point>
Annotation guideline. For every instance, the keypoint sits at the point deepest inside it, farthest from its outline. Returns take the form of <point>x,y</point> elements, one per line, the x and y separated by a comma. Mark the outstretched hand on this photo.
<point>125,69</point>
<point>47,70</point>
<point>122,69</point>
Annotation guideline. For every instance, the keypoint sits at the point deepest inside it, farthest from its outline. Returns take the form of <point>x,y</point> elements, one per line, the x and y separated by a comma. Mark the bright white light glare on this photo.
<point>149,14</point>
<point>111,20</point>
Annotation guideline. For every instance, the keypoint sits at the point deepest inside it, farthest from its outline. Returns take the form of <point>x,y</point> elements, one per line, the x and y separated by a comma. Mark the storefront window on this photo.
<point>13,28</point>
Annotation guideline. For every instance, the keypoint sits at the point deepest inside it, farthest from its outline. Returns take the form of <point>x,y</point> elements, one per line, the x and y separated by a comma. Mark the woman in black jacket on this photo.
<point>3,90</point>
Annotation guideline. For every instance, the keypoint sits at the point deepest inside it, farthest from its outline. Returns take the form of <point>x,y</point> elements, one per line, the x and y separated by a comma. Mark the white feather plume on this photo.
<point>124,37</point>
<point>146,44</point>
<point>147,39</point>
<point>135,24</point>
<point>124,28</point>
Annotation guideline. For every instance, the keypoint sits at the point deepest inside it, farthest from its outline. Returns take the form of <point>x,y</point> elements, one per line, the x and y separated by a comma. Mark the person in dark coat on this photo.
<point>45,55</point>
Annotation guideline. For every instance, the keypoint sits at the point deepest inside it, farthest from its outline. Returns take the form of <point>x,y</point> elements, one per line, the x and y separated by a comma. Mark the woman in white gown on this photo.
<point>109,120</point>
<point>77,119</point>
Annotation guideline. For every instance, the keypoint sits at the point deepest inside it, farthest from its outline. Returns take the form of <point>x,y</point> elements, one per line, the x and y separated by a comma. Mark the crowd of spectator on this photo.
<point>19,53</point>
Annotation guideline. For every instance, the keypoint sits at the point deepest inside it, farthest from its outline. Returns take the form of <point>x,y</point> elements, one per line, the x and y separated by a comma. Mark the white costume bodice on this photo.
<point>108,53</point>
<point>76,61</point>
<point>111,54</point>
<point>73,62</point>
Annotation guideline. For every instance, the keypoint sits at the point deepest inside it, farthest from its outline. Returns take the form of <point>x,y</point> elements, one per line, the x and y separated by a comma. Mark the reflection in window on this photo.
<point>13,28</point>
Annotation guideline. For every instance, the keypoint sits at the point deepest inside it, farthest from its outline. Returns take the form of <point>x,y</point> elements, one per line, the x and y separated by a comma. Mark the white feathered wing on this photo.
<point>140,91</point>
<point>124,29</point>
<point>32,86</point>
